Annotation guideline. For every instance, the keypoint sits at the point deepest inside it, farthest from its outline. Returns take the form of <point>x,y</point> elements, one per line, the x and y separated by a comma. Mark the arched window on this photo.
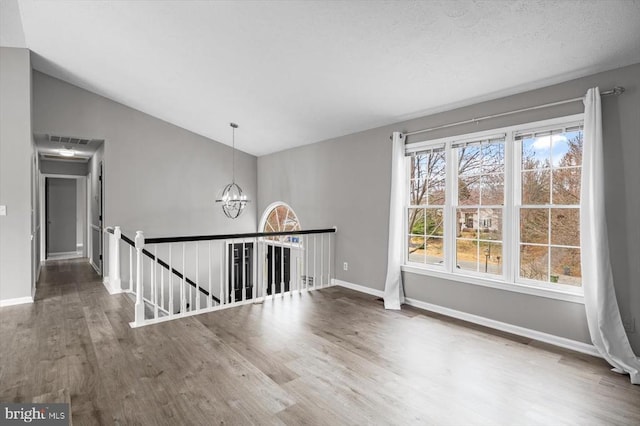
<point>279,217</point>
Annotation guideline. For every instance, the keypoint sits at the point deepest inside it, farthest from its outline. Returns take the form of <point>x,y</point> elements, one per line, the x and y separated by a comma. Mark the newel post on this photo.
<point>139,320</point>
<point>114,259</point>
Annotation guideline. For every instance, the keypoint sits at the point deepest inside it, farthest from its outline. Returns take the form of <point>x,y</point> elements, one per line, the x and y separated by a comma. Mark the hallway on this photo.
<point>328,357</point>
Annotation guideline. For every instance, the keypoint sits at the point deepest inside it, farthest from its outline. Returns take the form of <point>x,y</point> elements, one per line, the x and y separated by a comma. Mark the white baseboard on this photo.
<point>16,301</point>
<point>562,342</point>
<point>95,267</point>
<point>358,287</point>
<point>112,288</point>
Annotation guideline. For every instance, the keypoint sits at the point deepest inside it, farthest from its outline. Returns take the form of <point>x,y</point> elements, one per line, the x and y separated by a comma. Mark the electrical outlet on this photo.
<point>345,266</point>
<point>630,325</point>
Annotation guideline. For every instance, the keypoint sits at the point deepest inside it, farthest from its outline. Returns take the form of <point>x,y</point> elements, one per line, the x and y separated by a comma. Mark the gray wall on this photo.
<point>63,167</point>
<point>61,215</point>
<point>159,178</point>
<point>346,182</point>
<point>16,148</point>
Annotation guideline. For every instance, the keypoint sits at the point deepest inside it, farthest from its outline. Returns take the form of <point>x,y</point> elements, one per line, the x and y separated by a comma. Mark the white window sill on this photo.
<point>567,296</point>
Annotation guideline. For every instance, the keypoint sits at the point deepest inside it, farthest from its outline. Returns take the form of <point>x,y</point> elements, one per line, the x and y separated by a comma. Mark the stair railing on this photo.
<point>165,274</point>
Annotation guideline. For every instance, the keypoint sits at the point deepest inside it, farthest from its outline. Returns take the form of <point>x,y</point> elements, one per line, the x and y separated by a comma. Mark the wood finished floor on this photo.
<point>329,357</point>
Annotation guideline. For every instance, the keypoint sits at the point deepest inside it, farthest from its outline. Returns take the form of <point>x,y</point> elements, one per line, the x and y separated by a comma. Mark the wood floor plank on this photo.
<point>332,356</point>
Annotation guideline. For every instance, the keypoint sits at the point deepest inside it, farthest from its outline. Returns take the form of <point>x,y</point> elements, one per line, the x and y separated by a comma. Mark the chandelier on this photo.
<point>232,199</point>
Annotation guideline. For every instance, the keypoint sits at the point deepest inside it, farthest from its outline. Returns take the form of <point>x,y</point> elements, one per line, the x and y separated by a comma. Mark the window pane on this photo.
<point>416,248</point>
<point>435,254</point>
<point>435,222</point>
<point>493,158</point>
<point>469,160</point>
<point>492,190</point>
<point>491,257</point>
<point>490,224</point>
<point>566,186</point>
<point>437,173</point>
<point>469,190</point>
<point>417,192</point>
<point>565,266</point>
<point>467,221</point>
<point>415,221</point>
<point>565,227</point>
<point>534,262</point>
<point>534,226</point>
<point>567,149</point>
<point>467,255</point>
<point>536,187</point>
<point>536,152</point>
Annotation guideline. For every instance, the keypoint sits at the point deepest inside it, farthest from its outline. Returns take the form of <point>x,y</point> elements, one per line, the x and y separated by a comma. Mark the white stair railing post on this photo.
<point>139,319</point>
<point>117,282</point>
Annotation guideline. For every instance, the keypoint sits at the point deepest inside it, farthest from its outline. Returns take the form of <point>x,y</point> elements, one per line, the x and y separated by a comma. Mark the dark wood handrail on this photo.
<point>185,239</point>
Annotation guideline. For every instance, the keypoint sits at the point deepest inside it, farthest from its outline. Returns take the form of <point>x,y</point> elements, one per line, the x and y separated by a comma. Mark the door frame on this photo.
<point>44,207</point>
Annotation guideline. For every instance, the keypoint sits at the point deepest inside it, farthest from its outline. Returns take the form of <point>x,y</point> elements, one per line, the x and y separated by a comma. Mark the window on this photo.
<point>549,211</point>
<point>426,206</point>
<point>502,205</point>
<point>279,217</point>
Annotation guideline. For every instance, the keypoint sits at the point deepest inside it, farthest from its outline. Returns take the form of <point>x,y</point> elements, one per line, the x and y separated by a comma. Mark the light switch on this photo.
<point>3,210</point>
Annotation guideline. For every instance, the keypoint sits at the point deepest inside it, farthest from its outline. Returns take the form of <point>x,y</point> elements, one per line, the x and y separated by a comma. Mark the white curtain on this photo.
<point>393,291</point>
<point>603,315</point>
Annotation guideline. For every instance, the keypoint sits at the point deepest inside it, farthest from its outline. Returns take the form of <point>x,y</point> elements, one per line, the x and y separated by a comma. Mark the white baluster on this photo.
<point>210,298</point>
<point>244,273</point>
<point>223,259</point>
<point>282,269</point>
<point>273,270</point>
<point>130,268</point>
<point>162,287</point>
<point>183,301</point>
<point>321,260</point>
<point>139,308</point>
<point>233,271</point>
<point>306,263</point>
<point>171,308</point>
<point>315,256</point>
<point>329,256</point>
<point>197,275</point>
<point>154,282</point>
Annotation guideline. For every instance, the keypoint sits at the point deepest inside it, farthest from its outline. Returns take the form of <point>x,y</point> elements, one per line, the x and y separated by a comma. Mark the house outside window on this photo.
<point>501,205</point>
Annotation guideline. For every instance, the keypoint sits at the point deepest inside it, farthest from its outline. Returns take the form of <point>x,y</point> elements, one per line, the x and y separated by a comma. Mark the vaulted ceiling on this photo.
<point>297,72</point>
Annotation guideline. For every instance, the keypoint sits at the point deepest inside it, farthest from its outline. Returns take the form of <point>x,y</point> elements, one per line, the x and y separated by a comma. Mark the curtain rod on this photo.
<point>615,91</point>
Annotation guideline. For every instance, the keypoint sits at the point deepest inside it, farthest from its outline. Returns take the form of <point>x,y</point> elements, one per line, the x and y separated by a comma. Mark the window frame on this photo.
<point>510,278</point>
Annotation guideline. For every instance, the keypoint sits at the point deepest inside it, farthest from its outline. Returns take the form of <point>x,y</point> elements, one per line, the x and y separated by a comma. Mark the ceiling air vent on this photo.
<point>69,140</point>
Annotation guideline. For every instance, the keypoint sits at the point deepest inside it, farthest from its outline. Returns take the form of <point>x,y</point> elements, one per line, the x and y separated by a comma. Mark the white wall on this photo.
<point>16,160</point>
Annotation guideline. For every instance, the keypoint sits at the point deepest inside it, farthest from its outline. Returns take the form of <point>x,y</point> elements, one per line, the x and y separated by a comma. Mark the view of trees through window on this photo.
<point>550,212</point>
<point>546,205</point>
<point>426,211</point>
<point>480,203</point>
<point>282,219</point>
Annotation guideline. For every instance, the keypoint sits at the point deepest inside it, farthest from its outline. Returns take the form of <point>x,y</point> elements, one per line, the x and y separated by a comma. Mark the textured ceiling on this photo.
<point>297,72</point>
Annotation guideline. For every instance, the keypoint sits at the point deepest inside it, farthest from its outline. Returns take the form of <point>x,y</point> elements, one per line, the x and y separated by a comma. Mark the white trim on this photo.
<point>509,328</point>
<point>111,290</point>
<point>487,322</point>
<point>498,284</point>
<point>475,135</point>
<point>16,301</point>
<point>358,287</point>
<point>95,267</point>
